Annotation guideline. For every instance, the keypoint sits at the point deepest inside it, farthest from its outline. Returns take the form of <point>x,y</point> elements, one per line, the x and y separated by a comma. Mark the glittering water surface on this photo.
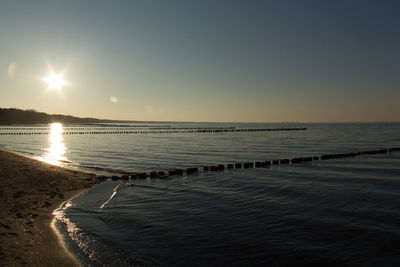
<point>339,212</point>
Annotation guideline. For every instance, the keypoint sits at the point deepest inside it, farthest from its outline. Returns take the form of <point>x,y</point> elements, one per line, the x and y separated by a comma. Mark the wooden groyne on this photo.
<point>159,131</point>
<point>110,128</point>
<point>246,165</point>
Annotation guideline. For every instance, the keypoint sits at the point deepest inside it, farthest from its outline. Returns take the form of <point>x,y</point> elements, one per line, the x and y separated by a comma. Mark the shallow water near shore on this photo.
<point>330,213</point>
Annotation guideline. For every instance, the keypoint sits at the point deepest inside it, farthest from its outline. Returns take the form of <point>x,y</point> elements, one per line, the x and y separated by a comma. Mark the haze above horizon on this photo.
<point>247,61</point>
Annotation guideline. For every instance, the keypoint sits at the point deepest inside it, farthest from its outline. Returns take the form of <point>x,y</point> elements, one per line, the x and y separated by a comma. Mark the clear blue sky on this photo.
<point>264,61</point>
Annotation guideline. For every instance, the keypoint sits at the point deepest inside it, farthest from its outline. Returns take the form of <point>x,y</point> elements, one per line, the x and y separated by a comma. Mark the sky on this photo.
<point>219,60</point>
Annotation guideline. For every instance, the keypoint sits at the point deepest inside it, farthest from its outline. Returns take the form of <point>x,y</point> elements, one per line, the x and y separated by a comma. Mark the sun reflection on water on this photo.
<point>56,150</point>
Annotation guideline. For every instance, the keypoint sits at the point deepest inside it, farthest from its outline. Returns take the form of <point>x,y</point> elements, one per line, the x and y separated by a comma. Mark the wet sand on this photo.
<point>30,191</point>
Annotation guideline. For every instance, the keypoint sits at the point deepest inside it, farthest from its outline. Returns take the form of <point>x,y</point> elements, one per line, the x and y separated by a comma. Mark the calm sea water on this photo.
<point>342,212</point>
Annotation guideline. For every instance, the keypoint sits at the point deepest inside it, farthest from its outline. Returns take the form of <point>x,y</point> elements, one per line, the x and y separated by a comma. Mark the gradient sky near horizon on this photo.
<point>220,60</point>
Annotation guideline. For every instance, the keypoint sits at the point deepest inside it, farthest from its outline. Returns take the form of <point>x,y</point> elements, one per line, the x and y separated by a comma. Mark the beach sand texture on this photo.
<point>30,191</point>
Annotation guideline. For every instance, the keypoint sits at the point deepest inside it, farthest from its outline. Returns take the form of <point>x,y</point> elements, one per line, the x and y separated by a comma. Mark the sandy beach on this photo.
<point>30,191</point>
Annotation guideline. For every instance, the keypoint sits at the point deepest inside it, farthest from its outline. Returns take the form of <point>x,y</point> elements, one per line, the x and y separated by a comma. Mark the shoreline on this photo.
<point>31,190</point>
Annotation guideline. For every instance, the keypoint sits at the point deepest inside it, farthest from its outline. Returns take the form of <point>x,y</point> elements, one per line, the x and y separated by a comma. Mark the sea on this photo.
<point>334,212</point>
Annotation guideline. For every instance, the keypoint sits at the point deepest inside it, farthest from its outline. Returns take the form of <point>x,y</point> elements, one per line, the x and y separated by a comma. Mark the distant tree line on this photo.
<point>31,116</point>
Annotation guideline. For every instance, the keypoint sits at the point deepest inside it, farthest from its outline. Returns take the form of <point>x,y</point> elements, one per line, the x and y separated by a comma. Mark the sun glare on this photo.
<point>55,153</point>
<point>54,81</point>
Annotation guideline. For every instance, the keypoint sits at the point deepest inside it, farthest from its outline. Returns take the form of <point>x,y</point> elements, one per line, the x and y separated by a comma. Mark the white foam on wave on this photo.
<point>112,196</point>
<point>81,239</point>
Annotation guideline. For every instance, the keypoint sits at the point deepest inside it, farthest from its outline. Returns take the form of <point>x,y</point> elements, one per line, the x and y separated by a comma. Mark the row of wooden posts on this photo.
<point>245,165</point>
<point>203,130</point>
<point>108,128</point>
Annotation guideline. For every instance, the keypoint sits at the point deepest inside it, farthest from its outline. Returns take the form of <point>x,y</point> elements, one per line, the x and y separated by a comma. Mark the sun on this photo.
<point>54,81</point>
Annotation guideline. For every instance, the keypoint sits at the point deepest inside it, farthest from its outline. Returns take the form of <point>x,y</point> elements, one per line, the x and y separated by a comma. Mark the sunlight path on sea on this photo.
<point>55,153</point>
